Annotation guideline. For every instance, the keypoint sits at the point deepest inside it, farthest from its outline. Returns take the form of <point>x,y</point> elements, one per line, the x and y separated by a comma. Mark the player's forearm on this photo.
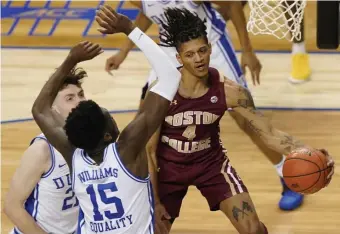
<point>22,220</point>
<point>236,15</point>
<point>143,23</point>
<point>274,139</point>
<point>51,88</point>
<point>167,73</point>
<point>283,143</point>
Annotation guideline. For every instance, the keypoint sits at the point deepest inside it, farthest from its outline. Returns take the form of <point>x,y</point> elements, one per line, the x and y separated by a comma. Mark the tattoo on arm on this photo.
<point>246,100</point>
<point>259,132</point>
<point>290,143</point>
<point>246,209</point>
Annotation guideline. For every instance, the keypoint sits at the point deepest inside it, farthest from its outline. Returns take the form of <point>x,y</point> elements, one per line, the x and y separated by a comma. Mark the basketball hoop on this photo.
<point>276,17</point>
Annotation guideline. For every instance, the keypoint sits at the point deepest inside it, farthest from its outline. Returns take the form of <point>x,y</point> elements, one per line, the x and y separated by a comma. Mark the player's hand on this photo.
<point>114,61</point>
<point>162,223</point>
<point>330,166</point>
<point>250,60</point>
<point>85,51</point>
<point>112,22</point>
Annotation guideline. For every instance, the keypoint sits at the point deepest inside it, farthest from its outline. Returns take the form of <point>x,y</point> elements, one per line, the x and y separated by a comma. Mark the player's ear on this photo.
<point>107,137</point>
<point>179,59</point>
<point>55,108</point>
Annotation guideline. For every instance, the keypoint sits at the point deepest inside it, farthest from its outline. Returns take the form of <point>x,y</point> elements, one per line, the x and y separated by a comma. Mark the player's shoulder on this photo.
<point>39,148</point>
<point>216,74</point>
<point>37,156</point>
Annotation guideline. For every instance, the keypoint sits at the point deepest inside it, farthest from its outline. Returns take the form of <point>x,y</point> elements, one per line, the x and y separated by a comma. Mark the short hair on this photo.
<point>74,77</point>
<point>181,26</point>
<point>85,125</point>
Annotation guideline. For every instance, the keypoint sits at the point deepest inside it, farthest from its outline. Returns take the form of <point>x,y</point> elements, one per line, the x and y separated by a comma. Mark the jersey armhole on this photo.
<point>126,170</point>
<point>50,170</point>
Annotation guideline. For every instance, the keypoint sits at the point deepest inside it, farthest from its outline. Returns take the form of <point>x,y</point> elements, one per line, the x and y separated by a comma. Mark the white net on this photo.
<point>280,18</point>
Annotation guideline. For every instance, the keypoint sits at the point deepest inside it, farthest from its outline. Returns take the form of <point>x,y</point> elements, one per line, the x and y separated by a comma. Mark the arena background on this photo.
<point>35,36</point>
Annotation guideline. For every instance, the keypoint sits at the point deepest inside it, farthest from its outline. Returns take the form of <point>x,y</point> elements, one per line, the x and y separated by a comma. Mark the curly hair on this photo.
<point>85,125</point>
<point>182,26</point>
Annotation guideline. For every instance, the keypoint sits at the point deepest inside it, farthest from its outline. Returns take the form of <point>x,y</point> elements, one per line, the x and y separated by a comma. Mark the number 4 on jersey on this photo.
<point>190,132</point>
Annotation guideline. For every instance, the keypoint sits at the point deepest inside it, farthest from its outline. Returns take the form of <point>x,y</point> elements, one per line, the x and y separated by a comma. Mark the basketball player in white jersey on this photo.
<point>223,58</point>
<point>110,178</point>
<point>223,54</point>
<point>40,197</point>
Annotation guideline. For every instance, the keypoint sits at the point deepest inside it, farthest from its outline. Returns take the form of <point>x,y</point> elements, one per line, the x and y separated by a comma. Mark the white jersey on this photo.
<point>215,23</point>
<point>111,199</point>
<point>52,203</point>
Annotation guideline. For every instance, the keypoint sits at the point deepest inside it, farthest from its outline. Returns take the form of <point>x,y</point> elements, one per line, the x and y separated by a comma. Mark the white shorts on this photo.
<point>223,58</point>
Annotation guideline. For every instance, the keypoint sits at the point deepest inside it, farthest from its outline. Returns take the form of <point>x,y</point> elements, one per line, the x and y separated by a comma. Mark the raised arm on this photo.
<point>48,120</point>
<point>143,23</point>
<point>135,136</point>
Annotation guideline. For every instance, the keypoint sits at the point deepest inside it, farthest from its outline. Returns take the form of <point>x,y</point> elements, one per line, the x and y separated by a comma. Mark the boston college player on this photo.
<point>188,147</point>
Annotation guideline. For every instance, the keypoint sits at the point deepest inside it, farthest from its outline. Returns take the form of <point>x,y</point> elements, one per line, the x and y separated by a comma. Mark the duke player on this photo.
<point>40,198</point>
<point>187,150</point>
<point>110,178</point>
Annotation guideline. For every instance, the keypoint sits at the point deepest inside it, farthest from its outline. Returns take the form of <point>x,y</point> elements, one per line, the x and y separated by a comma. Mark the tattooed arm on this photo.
<point>241,101</point>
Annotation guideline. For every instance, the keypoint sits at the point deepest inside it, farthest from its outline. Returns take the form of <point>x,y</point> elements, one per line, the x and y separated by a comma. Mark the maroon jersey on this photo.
<point>190,132</point>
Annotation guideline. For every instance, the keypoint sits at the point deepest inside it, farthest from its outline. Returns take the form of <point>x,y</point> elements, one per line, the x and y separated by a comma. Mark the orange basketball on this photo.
<point>305,170</point>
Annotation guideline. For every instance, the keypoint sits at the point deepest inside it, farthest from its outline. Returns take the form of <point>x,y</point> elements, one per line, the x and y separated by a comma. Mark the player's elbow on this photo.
<point>38,114</point>
<point>35,111</point>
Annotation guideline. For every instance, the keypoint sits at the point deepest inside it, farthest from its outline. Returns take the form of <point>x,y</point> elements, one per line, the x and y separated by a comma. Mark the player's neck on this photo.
<point>192,86</point>
<point>97,154</point>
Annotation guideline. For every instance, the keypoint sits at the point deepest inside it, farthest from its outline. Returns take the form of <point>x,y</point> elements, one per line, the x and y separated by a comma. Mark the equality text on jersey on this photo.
<point>111,225</point>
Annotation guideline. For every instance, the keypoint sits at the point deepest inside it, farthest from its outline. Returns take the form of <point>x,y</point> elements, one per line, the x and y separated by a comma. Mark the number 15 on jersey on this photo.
<point>103,190</point>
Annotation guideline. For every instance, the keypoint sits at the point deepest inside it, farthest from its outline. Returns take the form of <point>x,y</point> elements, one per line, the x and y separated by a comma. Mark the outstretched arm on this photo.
<point>135,136</point>
<point>241,101</point>
<point>48,120</point>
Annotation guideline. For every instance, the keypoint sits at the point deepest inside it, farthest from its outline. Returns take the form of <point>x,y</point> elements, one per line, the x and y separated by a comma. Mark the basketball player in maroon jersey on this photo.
<point>187,150</point>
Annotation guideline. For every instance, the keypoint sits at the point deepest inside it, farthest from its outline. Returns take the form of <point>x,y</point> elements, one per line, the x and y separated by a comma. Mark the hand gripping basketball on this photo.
<point>307,170</point>
<point>112,22</point>
<point>330,166</point>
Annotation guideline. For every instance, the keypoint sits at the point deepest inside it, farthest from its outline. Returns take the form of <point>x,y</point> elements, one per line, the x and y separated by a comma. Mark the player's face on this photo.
<point>111,127</point>
<point>67,99</point>
<point>195,56</point>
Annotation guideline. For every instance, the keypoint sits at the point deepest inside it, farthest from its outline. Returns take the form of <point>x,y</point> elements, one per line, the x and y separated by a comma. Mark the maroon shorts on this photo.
<point>217,180</point>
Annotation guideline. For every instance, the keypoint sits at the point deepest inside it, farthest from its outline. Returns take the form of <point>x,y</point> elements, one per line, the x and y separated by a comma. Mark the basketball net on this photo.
<point>276,17</point>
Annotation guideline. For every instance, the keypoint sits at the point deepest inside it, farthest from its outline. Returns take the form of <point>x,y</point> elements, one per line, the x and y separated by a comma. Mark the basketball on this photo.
<point>305,170</point>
